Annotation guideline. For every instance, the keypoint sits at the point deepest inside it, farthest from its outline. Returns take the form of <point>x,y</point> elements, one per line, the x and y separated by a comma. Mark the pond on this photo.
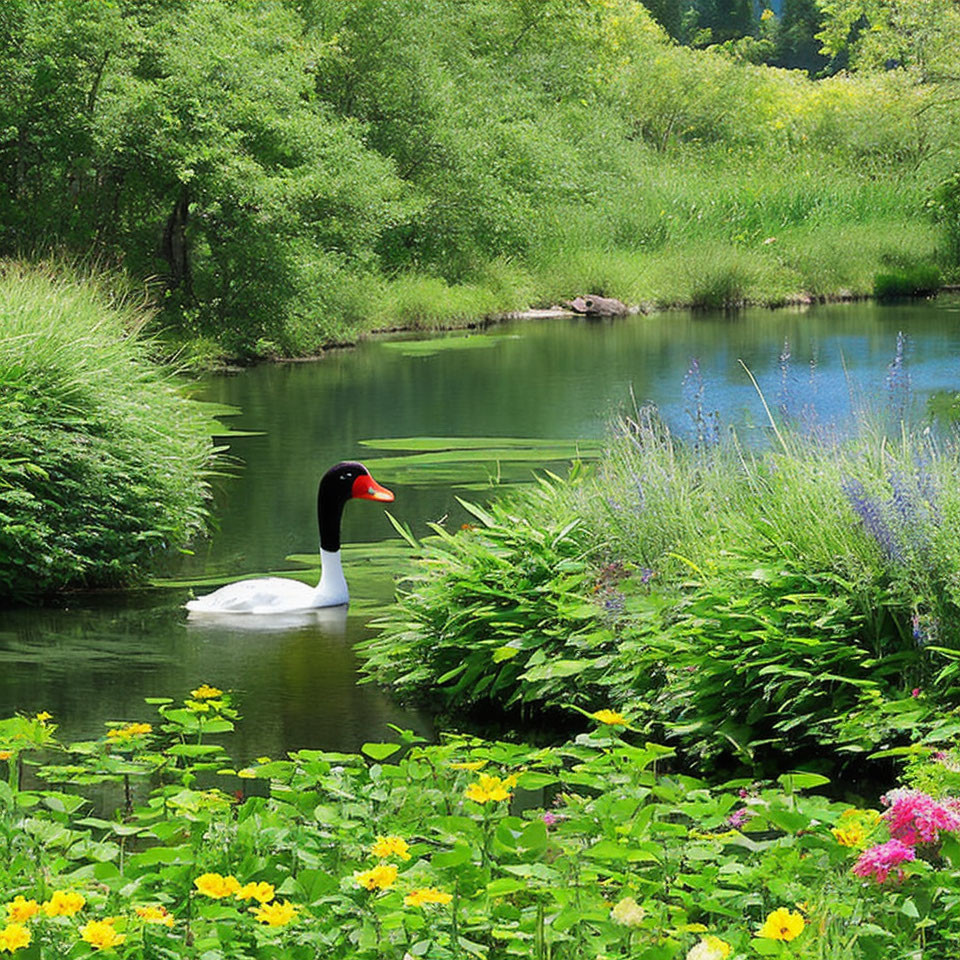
<point>96,657</point>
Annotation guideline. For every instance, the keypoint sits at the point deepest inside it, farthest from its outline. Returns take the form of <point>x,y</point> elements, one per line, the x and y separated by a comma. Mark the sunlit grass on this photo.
<point>102,459</point>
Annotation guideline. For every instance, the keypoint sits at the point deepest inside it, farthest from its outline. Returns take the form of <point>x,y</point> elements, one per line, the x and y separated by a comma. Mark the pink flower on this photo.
<point>739,817</point>
<point>549,818</point>
<point>915,692</point>
<point>915,817</point>
<point>878,861</point>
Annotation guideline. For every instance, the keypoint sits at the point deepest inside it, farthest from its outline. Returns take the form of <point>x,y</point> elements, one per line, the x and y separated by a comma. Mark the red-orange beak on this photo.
<point>366,488</point>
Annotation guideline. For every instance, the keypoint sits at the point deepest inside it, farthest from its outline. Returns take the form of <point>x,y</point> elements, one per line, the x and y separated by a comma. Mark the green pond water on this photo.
<point>97,656</point>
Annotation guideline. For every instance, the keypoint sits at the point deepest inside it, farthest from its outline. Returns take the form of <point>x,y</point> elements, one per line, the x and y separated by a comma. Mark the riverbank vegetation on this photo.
<point>738,602</point>
<point>291,175</point>
<point>103,461</point>
<point>465,848</point>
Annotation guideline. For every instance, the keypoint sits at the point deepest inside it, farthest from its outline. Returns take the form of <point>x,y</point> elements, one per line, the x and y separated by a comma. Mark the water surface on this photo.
<point>98,656</point>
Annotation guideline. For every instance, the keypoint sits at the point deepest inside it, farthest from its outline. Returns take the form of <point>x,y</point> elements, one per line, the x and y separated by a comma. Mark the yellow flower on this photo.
<point>43,716</point>
<point>855,827</point>
<point>767,14</point>
<point>851,836</point>
<point>100,933</point>
<point>473,765</point>
<point>388,846</point>
<point>490,788</point>
<point>261,891</point>
<point>628,912</point>
<point>19,909</point>
<point>417,898</point>
<point>782,924</point>
<point>63,903</point>
<point>155,915</point>
<point>709,948</point>
<point>6,754</point>
<point>609,717</point>
<point>130,730</point>
<point>216,886</point>
<point>14,936</point>
<point>275,914</point>
<point>205,692</point>
<point>382,876</point>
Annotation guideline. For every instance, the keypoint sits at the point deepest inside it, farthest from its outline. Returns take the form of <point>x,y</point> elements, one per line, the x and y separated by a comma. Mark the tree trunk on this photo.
<point>173,246</point>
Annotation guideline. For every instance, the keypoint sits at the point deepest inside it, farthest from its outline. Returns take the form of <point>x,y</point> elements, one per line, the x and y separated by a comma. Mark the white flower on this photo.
<point>628,912</point>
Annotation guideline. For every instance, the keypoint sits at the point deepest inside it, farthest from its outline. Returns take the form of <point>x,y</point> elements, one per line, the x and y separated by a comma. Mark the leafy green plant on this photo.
<point>448,850</point>
<point>500,612</point>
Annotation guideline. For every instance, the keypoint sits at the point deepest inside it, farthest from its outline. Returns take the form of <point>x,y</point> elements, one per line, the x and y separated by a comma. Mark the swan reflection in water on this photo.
<point>327,621</point>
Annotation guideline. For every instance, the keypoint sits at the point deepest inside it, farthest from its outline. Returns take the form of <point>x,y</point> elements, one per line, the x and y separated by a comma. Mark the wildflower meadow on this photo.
<point>598,847</point>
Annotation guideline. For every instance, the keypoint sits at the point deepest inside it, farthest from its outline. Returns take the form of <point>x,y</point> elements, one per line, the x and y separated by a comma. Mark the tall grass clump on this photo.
<point>799,597</point>
<point>103,461</point>
<point>919,281</point>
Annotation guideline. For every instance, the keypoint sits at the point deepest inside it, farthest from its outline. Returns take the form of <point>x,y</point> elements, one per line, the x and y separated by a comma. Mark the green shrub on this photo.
<point>102,458</point>
<point>498,614</point>
<point>687,577</point>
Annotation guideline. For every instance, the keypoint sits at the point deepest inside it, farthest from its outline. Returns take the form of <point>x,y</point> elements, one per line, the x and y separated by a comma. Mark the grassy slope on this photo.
<point>102,459</point>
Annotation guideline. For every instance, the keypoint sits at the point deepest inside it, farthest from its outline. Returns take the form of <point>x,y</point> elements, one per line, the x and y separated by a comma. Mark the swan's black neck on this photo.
<point>329,515</point>
<point>336,488</point>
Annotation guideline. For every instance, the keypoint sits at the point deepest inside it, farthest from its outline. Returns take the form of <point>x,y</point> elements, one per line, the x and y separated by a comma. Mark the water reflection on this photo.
<point>327,622</point>
<point>294,682</point>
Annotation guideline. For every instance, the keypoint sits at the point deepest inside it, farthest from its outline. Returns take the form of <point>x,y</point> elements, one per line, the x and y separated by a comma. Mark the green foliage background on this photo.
<point>291,174</point>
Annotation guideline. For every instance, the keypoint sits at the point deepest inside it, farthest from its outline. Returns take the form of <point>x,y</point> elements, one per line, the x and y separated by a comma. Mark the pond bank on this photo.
<point>482,322</point>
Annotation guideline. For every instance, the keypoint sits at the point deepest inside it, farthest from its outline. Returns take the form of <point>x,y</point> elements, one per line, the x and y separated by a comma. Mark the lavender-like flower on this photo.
<point>911,514</point>
<point>783,401</point>
<point>638,486</point>
<point>871,515</point>
<point>615,604</point>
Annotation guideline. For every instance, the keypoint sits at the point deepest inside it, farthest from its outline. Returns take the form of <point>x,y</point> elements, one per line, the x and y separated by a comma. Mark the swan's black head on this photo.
<point>344,481</point>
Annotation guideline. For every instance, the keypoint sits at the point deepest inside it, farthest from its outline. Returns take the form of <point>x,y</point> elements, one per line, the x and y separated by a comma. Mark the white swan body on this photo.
<point>267,595</point>
<point>278,595</point>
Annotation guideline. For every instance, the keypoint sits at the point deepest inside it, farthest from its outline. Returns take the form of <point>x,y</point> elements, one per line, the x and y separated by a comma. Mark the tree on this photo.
<point>797,43</point>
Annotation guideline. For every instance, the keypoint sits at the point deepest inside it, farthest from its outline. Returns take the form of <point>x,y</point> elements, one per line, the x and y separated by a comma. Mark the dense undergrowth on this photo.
<point>465,848</point>
<point>737,602</point>
<point>294,174</point>
<point>103,461</point>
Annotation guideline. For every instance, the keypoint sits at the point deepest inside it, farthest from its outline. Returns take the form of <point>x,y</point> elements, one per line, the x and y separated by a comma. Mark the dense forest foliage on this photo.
<point>291,173</point>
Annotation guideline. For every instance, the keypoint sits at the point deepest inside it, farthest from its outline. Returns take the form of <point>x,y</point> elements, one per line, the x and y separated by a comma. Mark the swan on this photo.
<point>277,595</point>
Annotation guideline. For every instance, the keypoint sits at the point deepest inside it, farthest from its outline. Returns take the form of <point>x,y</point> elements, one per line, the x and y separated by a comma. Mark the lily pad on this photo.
<point>427,444</point>
<point>427,348</point>
<point>475,464</point>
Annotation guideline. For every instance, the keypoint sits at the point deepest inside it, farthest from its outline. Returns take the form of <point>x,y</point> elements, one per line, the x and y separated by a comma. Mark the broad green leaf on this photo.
<point>380,751</point>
